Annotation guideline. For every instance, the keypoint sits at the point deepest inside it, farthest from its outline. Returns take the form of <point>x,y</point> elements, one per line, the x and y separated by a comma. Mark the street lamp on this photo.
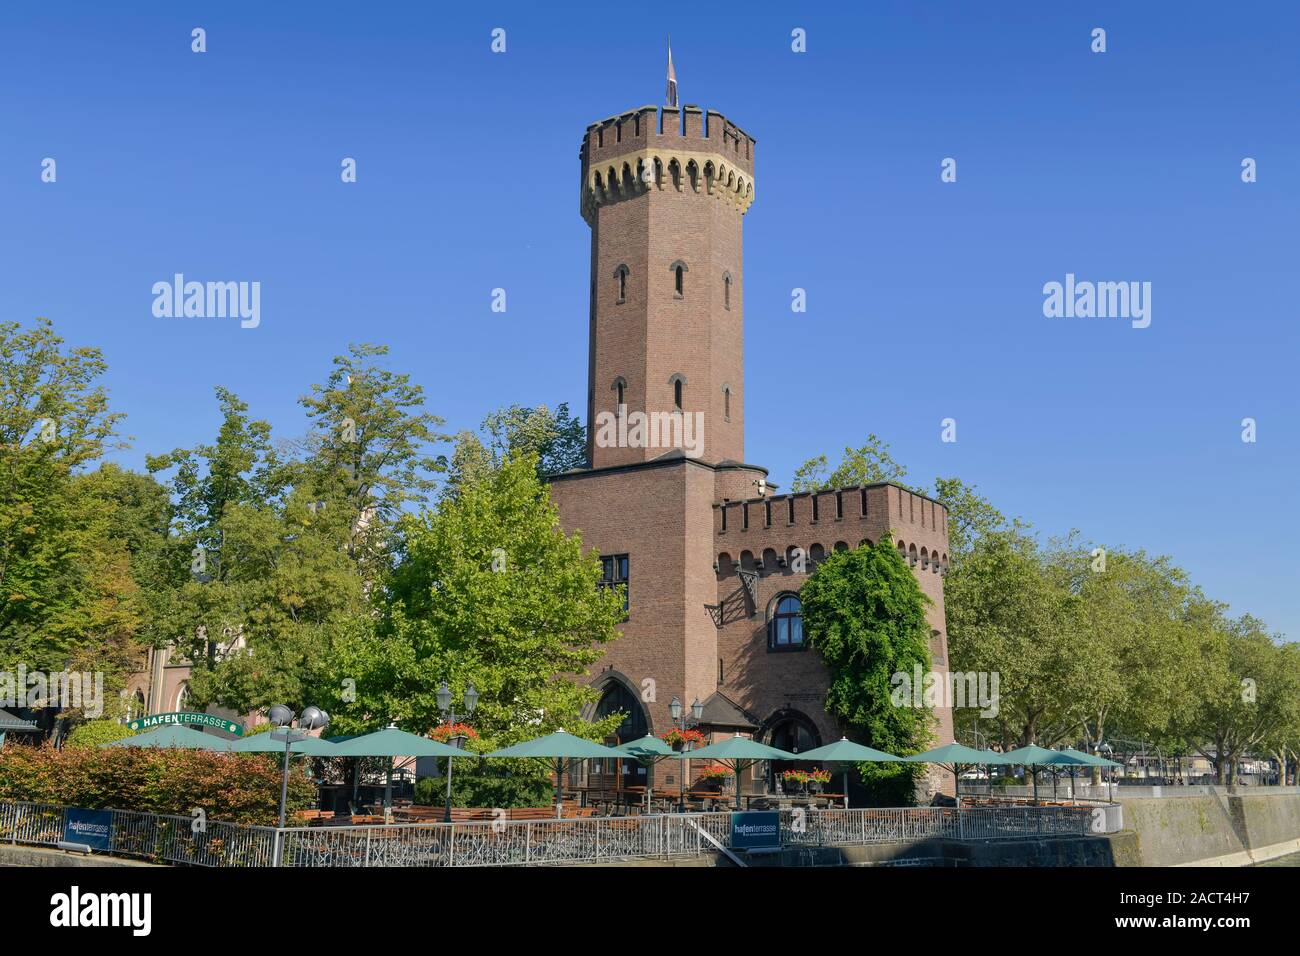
<point>312,718</point>
<point>450,717</point>
<point>697,712</point>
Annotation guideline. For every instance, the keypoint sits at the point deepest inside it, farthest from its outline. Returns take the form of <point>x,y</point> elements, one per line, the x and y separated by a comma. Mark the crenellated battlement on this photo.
<point>761,534</point>
<point>666,148</point>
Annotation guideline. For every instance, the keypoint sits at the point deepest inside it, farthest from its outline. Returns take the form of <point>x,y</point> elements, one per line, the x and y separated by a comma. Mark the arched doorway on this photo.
<point>794,732</point>
<point>618,697</point>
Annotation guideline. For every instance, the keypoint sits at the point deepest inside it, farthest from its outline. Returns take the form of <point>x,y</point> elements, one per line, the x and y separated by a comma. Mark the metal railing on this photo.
<point>179,840</point>
<point>148,836</point>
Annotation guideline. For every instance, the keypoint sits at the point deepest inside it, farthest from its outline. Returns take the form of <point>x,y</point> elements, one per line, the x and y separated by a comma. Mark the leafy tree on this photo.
<point>372,445</point>
<point>864,611</point>
<point>557,439</point>
<point>971,516</point>
<point>1247,696</point>
<point>66,593</point>
<point>1132,638</point>
<point>288,544</point>
<point>860,466</point>
<point>490,590</point>
<point>1007,614</point>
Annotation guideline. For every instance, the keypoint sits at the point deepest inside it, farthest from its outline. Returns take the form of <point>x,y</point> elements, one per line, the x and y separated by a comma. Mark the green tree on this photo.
<point>859,466</point>
<point>864,611</point>
<point>1247,694</point>
<point>66,592</point>
<point>489,590</point>
<point>371,450</point>
<point>557,439</point>
<point>1009,615</point>
<point>1132,638</point>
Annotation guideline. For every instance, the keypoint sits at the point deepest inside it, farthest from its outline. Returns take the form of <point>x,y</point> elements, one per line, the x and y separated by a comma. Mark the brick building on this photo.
<point>712,560</point>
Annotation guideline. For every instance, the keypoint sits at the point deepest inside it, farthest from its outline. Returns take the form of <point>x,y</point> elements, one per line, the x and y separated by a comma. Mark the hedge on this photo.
<point>236,788</point>
<point>95,732</point>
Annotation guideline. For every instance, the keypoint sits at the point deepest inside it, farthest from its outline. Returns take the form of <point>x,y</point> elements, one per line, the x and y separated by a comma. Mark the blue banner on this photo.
<point>94,828</point>
<point>756,830</point>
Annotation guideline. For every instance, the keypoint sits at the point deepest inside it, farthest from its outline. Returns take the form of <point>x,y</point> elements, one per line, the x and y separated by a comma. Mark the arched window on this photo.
<point>794,733</point>
<point>620,277</point>
<point>183,696</point>
<point>678,381</point>
<point>726,290</point>
<point>785,625</point>
<point>679,270</point>
<point>620,394</point>
<point>617,698</point>
<point>726,402</point>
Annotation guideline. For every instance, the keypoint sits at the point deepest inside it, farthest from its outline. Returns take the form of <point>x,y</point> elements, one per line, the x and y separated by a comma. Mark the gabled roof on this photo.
<point>722,711</point>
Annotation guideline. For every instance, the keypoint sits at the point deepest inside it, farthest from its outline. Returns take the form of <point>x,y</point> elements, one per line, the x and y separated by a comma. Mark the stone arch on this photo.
<point>816,552</point>
<point>769,560</point>
<point>616,682</point>
<point>725,566</point>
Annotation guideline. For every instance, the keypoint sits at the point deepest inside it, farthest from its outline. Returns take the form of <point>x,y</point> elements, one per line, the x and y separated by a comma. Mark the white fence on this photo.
<point>179,840</point>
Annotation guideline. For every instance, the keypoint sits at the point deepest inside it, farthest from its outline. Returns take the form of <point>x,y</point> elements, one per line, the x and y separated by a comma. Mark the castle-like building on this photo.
<point>712,561</point>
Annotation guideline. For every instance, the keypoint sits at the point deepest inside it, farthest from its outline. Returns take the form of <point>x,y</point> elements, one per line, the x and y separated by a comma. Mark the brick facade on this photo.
<point>691,524</point>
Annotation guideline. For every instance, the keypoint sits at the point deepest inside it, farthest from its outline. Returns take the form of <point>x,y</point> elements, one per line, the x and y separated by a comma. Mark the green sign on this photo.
<point>185,717</point>
<point>755,830</point>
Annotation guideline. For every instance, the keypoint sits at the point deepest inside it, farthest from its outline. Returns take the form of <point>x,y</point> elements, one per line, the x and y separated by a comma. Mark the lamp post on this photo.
<point>679,718</point>
<point>1105,750</point>
<point>449,717</point>
<point>312,718</point>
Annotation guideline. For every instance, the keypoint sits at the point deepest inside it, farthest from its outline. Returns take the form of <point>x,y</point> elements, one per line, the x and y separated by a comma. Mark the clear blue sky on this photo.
<point>925,299</point>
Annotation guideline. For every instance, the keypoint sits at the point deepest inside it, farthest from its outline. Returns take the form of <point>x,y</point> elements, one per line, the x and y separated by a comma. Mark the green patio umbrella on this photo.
<point>1091,760</point>
<point>739,753</point>
<point>846,751</point>
<point>391,742</point>
<point>649,750</point>
<point>264,744</point>
<point>174,735</point>
<point>560,746</point>
<point>1031,757</point>
<point>952,756</point>
<point>1060,758</point>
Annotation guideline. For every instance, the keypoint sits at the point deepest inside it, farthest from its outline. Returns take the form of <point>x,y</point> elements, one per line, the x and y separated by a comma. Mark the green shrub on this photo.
<point>95,733</point>
<point>236,788</point>
<point>481,790</point>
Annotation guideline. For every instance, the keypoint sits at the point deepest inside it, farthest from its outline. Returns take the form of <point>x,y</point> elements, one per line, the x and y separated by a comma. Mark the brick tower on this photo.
<point>712,560</point>
<point>664,194</point>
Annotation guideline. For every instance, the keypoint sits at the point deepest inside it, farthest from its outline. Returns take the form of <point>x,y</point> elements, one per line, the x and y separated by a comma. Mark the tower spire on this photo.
<point>671,95</point>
